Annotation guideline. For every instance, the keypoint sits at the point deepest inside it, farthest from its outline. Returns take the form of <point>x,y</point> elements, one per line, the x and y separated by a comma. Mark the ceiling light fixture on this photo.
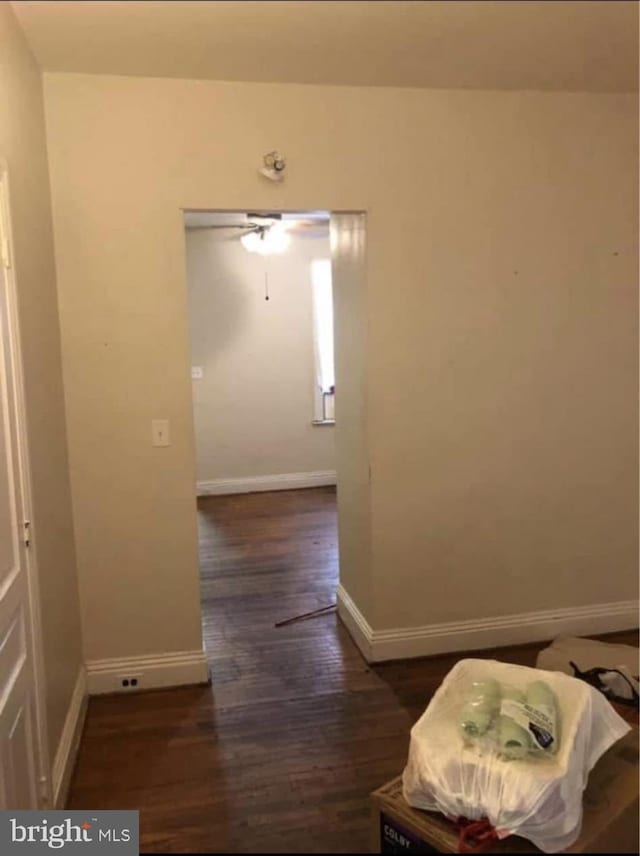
<point>267,240</point>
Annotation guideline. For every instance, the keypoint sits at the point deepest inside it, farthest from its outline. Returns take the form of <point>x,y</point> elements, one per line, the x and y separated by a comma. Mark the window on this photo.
<point>325,381</point>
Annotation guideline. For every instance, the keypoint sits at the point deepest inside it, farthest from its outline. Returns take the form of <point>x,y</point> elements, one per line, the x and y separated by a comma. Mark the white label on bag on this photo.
<point>539,722</point>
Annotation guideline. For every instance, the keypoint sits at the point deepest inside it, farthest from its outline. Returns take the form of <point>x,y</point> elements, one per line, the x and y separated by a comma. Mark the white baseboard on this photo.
<point>67,751</point>
<point>407,642</point>
<point>151,672</point>
<point>355,622</point>
<point>255,484</point>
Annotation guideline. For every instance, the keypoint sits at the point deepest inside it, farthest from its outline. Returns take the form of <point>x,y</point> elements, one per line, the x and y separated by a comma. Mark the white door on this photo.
<point>19,761</point>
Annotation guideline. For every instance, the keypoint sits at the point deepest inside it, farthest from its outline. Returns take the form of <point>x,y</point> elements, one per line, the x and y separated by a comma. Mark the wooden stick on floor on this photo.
<point>321,611</point>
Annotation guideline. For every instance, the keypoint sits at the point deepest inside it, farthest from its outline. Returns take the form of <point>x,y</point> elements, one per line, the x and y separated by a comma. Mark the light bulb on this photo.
<point>251,242</point>
<point>278,239</point>
<point>272,241</point>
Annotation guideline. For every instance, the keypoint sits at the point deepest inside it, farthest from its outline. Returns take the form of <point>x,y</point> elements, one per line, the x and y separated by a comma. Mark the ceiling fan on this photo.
<point>267,233</point>
<point>266,220</point>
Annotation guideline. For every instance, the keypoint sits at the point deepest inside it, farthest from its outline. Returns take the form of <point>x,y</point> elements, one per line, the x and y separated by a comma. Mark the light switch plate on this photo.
<point>196,373</point>
<point>160,432</point>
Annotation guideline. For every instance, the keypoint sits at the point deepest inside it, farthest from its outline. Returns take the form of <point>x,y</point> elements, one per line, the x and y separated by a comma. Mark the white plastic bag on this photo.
<point>538,796</point>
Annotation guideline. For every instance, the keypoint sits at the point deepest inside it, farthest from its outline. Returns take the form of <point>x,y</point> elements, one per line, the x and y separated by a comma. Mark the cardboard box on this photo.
<point>610,821</point>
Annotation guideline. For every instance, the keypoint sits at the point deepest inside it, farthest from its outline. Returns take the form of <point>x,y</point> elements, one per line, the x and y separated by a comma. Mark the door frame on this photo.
<point>34,618</point>
<point>222,209</point>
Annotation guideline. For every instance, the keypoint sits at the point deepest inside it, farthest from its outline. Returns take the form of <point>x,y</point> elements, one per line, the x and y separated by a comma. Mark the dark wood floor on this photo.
<point>281,752</point>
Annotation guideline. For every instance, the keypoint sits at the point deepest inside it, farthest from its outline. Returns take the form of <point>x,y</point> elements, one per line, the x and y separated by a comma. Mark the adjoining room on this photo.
<point>263,380</point>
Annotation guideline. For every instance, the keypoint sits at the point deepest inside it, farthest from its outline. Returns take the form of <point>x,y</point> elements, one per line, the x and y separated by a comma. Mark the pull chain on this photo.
<point>266,285</point>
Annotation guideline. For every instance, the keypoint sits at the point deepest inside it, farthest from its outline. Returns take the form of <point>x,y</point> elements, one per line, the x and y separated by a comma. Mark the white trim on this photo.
<point>355,622</point>
<point>406,642</point>
<point>159,670</point>
<point>69,741</point>
<point>255,484</point>
<point>42,762</point>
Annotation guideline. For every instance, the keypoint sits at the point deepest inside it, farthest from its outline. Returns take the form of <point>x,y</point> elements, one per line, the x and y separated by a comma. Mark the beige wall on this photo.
<point>501,333</point>
<point>22,144</point>
<point>254,405</point>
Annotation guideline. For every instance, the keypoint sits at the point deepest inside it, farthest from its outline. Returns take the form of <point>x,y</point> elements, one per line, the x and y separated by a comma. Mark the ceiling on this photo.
<point>510,44</point>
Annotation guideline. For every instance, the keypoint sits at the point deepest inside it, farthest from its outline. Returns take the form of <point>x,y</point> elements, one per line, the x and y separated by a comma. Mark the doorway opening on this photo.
<point>261,329</point>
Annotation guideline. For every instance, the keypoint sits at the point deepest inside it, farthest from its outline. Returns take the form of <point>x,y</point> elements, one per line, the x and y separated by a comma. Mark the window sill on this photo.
<point>323,422</point>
